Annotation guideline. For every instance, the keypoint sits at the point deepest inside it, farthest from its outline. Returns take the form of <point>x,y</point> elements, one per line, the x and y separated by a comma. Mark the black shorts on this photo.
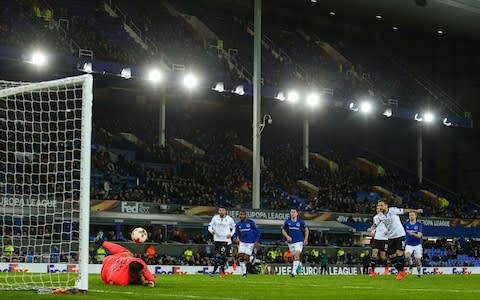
<point>396,244</point>
<point>223,249</point>
<point>381,245</point>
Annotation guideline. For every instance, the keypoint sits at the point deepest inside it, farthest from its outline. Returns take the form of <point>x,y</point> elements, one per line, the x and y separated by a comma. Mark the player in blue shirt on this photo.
<point>296,233</point>
<point>247,234</point>
<point>414,230</point>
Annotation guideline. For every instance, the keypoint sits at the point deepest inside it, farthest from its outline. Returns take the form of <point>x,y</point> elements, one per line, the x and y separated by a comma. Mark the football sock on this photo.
<point>399,262</point>
<point>217,262</point>
<point>295,266</point>
<point>373,263</point>
<point>409,263</point>
<point>243,267</point>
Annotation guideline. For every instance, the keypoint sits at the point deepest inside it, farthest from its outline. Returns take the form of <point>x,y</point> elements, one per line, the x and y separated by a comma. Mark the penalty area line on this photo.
<point>440,290</point>
<point>168,295</point>
<point>298,284</point>
<point>413,289</point>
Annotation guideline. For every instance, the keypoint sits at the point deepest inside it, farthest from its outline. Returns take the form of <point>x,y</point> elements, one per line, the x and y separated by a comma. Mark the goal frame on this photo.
<point>85,157</point>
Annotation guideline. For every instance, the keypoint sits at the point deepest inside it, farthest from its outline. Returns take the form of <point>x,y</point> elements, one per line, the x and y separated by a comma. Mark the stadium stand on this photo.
<point>347,189</point>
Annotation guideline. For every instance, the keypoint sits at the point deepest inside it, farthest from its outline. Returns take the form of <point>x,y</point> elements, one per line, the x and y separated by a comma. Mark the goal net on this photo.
<point>45,131</point>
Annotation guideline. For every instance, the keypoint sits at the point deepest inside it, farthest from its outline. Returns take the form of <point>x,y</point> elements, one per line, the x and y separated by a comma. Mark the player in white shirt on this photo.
<point>222,227</point>
<point>396,233</point>
<point>379,242</point>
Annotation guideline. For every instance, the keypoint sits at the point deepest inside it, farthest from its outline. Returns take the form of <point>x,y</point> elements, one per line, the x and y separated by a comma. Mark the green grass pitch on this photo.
<point>280,287</point>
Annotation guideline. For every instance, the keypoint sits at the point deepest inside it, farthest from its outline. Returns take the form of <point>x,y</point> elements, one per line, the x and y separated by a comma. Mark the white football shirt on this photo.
<point>381,230</point>
<point>220,227</point>
<point>392,222</point>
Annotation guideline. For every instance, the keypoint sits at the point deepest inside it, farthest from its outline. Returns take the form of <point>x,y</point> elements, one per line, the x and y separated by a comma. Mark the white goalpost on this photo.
<point>45,145</point>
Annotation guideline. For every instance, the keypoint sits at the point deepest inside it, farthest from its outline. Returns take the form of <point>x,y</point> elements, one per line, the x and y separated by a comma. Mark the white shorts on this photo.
<point>295,247</point>
<point>416,250</point>
<point>246,248</point>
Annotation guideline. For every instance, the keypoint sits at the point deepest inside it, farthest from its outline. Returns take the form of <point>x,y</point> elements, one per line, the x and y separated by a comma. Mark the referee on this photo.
<point>222,227</point>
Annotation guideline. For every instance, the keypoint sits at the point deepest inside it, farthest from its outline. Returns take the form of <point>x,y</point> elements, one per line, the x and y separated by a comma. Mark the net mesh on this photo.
<point>40,147</point>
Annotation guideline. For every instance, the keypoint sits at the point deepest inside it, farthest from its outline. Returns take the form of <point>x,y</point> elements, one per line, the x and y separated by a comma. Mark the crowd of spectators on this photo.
<point>221,176</point>
<point>449,256</point>
<point>452,255</point>
<point>161,187</point>
<point>445,252</point>
<point>346,189</point>
<point>341,250</point>
<point>29,257</point>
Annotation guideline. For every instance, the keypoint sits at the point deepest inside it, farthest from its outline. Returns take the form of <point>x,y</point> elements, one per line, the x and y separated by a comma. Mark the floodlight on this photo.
<point>366,107</point>
<point>388,112</point>
<point>126,73</point>
<point>87,67</point>
<point>313,99</point>
<point>219,87</point>
<point>190,81</point>
<point>280,96</point>
<point>240,90</point>
<point>155,76</point>
<point>428,117</point>
<point>293,96</point>
<point>353,107</point>
<point>38,58</point>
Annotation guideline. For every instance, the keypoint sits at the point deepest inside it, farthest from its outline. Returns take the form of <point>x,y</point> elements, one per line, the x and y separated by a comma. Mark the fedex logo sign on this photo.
<point>135,208</point>
<point>464,271</point>
<point>13,268</point>
<point>61,269</point>
<point>175,271</point>
<point>434,272</point>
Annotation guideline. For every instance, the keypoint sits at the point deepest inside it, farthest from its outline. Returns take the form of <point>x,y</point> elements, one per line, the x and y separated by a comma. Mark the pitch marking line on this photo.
<point>360,287</point>
<point>436,290</point>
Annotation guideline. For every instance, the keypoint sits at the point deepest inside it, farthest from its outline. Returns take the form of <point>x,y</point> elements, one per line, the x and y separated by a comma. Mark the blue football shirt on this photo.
<point>295,229</point>
<point>409,228</point>
<point>247,231</point>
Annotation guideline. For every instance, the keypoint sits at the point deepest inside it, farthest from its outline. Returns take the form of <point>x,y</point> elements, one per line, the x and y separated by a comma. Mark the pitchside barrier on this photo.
<point>268,269</point>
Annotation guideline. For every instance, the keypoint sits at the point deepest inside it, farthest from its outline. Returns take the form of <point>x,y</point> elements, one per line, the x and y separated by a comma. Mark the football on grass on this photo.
<point>139,235</point>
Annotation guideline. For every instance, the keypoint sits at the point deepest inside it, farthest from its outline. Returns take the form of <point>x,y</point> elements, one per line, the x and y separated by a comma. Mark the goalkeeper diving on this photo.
<point>122,268</point>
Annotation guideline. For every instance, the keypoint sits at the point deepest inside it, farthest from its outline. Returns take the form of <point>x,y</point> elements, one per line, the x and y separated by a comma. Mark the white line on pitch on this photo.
<point>362,287</point>
<point>440,290</point>
<point>326,285</point>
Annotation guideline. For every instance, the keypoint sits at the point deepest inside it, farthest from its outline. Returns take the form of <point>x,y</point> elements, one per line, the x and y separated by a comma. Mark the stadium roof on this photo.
<point>453,17</point>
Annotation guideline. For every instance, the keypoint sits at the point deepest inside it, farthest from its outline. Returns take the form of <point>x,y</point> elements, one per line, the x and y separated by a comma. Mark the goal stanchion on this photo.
<point>45,143</point>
